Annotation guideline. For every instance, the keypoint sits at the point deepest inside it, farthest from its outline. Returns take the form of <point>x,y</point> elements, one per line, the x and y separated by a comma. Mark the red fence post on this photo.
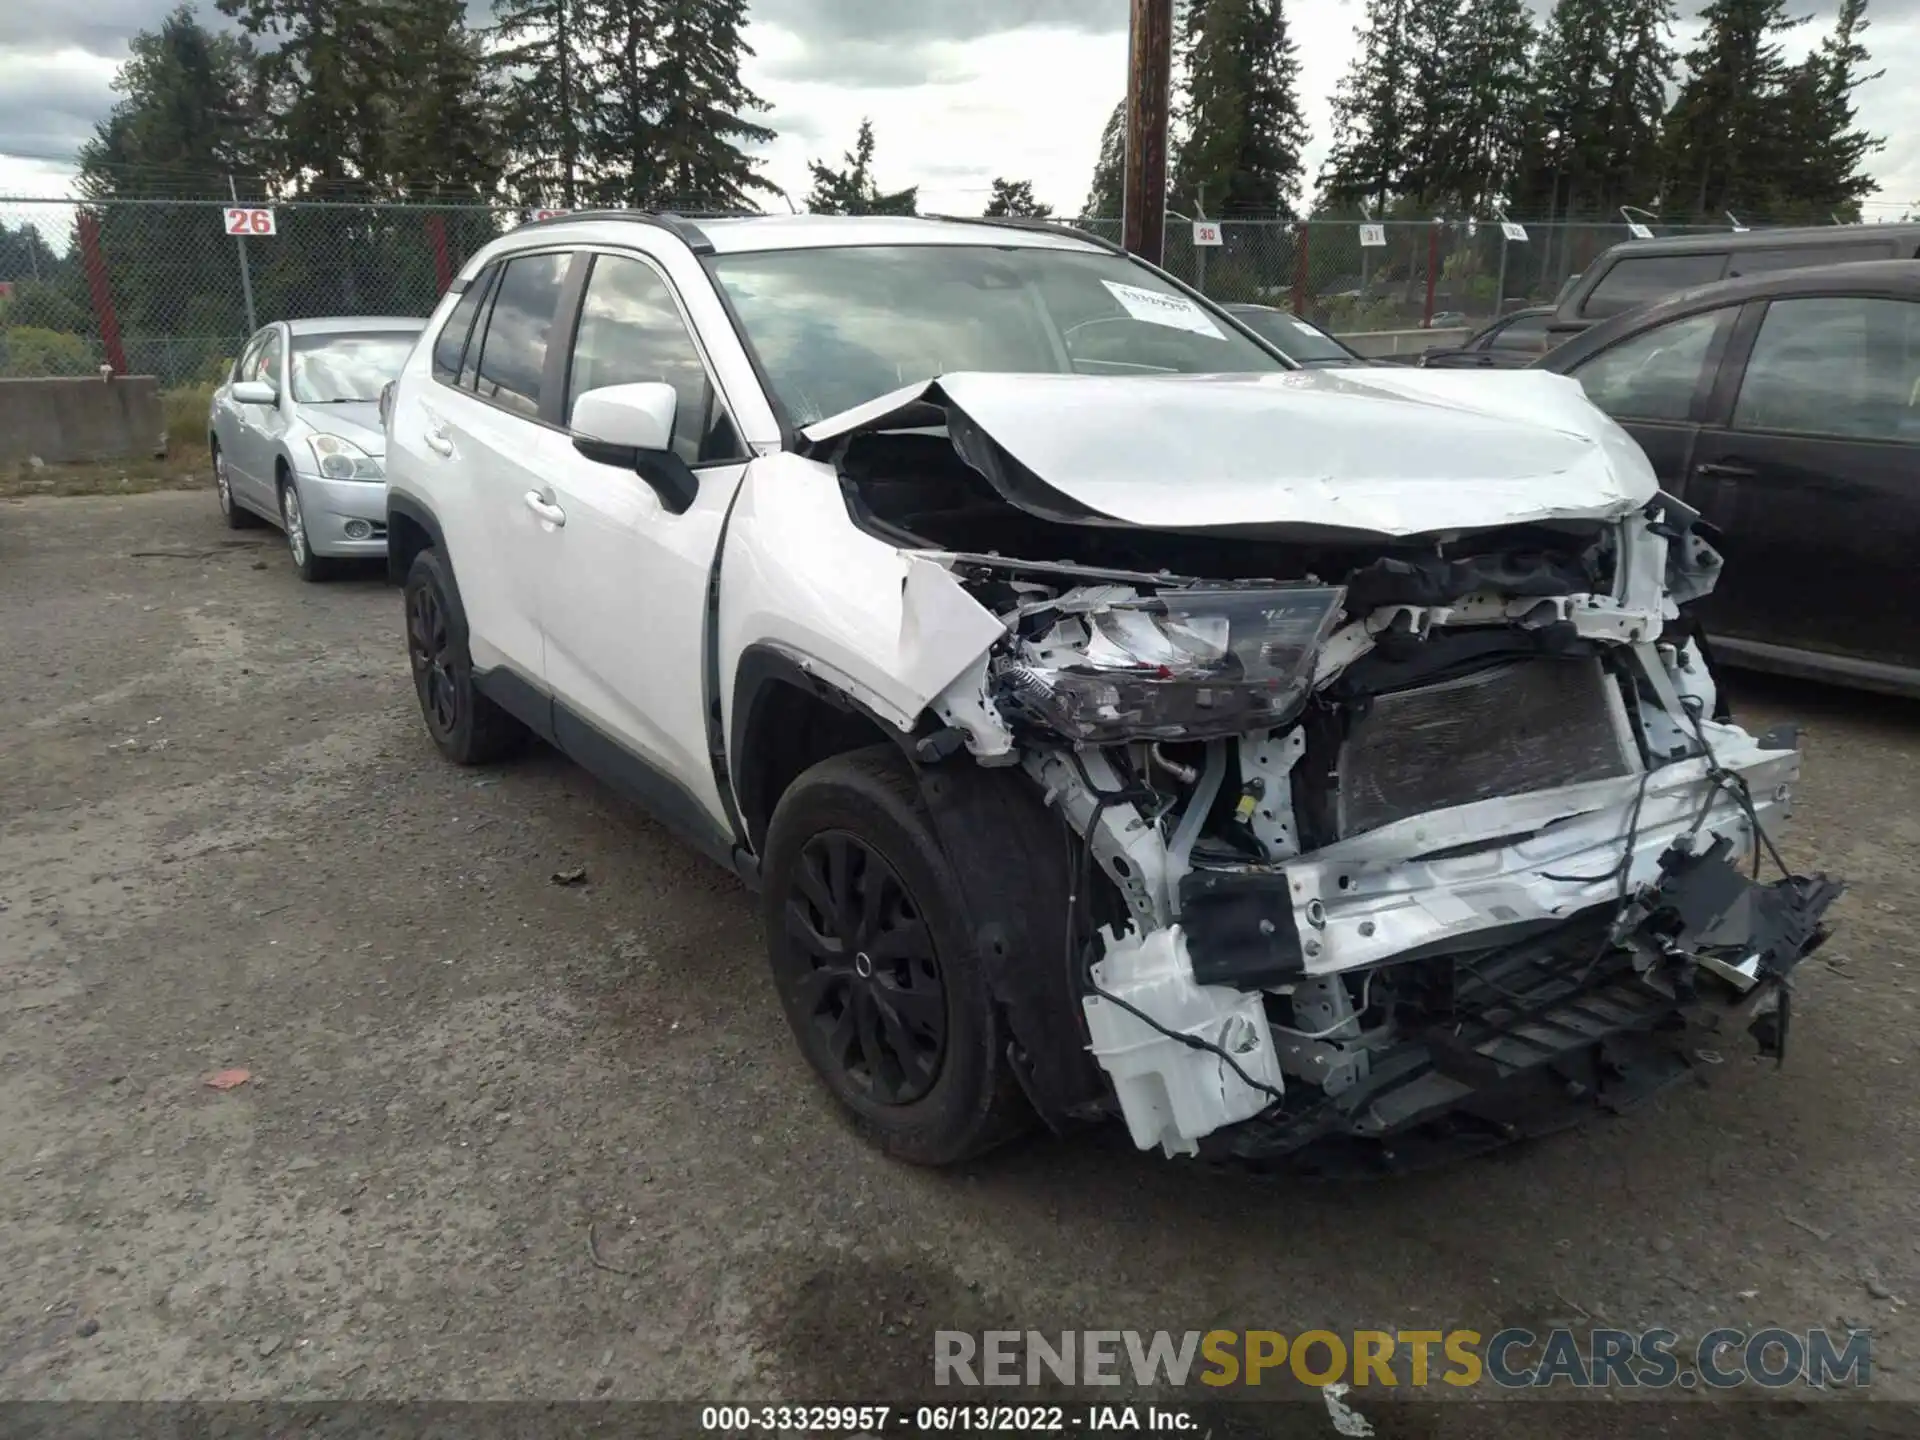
<point>96,268</point>
<point>437,237</point>
<point>1433,273</point>
<point>1300,270</point>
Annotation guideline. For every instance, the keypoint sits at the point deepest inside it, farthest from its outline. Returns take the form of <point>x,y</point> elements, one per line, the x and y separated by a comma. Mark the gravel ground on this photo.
<point>505,1138</point>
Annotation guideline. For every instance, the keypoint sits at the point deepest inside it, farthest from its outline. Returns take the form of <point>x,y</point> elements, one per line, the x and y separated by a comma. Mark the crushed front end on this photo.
<point>1404,857</point>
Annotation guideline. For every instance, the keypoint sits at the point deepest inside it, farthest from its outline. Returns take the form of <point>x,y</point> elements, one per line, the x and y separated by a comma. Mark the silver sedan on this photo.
<point>296,435</point>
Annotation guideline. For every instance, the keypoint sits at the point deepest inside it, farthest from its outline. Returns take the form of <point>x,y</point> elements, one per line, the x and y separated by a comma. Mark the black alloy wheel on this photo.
<point>430,647</point>
<point>861,966</point>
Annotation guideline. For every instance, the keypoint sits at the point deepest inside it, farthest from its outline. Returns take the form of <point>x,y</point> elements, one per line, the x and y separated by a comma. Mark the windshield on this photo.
<point>1296,339</point>
<point>837,327</point>
<point>333,369</point>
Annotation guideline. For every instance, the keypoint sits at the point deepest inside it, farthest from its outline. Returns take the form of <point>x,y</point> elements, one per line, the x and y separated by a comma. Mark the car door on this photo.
<point>493,435</point>
<point>263,428</point>
<point>626,603</point>
<point>1813,478</point>
<point>1657,383</point>
<point>226,415</point>
<point>243,439</point>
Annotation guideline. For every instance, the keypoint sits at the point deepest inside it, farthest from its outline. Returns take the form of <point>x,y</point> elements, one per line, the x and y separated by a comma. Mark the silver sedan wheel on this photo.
<point>295,526</point>
<point>221,483</point>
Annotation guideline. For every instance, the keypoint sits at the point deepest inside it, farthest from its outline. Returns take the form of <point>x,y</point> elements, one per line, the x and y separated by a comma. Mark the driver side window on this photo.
<point>1655,376</point>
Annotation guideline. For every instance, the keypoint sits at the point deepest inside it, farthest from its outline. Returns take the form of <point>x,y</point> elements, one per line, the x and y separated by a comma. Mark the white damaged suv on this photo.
<point>1117,720</point>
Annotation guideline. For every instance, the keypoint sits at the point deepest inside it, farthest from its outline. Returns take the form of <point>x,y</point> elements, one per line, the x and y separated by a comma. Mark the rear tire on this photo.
<point>237,516</point>
<point>467,727</point>
<point>873,956</point>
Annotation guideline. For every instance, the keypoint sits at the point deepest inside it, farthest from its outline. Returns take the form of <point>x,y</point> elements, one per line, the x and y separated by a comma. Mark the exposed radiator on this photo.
<point>1507,730</point>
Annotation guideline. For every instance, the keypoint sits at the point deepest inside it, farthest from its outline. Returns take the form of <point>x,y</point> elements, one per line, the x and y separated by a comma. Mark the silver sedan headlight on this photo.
<point>340,459</point>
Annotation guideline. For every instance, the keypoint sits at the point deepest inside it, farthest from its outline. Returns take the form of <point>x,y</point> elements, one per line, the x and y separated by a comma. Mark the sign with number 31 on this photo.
<point>248,220</point>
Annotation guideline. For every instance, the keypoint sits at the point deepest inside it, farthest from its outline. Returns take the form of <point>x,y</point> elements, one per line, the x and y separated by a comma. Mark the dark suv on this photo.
<point>1638,272</point>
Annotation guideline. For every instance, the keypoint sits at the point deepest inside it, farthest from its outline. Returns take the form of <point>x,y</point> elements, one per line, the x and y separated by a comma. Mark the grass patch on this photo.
<point>184,413</point>
<point>185,467</point>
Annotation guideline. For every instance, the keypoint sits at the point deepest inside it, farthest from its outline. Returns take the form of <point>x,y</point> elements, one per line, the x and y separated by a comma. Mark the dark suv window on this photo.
<point>1799,257</point>
<point>514,353</point>
<point>1528,333</point>
<point>451,344</point>
<point>1846,366</point>
<point>1636,280</point>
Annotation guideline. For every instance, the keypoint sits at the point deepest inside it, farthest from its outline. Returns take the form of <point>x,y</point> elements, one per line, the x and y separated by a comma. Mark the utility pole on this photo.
<point>1149,79</point>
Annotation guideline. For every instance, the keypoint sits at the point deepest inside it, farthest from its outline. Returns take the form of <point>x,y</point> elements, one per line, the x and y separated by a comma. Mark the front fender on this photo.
<point>886,627</point>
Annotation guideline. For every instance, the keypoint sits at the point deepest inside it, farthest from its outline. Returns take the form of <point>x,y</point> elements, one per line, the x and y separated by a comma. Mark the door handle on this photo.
<point>1724,470</point>
<point>545,508</point>
<point>439,442</point>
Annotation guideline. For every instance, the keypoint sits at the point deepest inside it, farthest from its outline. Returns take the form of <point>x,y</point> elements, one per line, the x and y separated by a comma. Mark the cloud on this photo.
<point>874,64</point>
<point>881,21</point>
<point>49,103</point>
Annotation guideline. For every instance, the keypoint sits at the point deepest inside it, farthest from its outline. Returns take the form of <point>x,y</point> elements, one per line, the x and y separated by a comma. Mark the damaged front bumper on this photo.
<point>1600,1012</point>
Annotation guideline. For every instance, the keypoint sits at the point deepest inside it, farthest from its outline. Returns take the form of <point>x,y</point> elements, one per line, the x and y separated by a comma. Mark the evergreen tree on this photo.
<point>182,124</point>
<point>852,191</point>
<point>373,99</point>
<point>622,133</point>
<point>1106,196</point>
<point>701,124</point>
<point>1015,198</point>
<point>1243,129</point>
<point>1593,133</point>
<point>1373,114</point>
<point>1729,139</point>
<point>1827,179</point>
<point>546,75</point>
<point>1480,75</point>
<point>180,128</point>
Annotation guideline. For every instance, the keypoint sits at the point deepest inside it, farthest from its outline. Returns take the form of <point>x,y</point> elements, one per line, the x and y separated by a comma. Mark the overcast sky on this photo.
<point>959,90</point>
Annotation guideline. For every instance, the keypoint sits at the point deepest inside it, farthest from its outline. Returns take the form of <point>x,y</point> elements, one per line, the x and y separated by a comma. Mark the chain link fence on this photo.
<point>166,288</point>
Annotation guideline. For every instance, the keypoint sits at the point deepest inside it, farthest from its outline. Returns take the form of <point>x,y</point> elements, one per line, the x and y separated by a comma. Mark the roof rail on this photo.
<point>695,238</point>
<point>1032,222</point>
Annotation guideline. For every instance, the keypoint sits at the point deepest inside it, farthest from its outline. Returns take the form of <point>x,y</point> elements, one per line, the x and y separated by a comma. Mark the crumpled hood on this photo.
<point>355,420</point>
<point>1385,451</point>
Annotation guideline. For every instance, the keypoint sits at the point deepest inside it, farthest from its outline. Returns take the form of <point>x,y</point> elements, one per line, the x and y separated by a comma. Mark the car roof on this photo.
<point>1883,279</point>
<point>736,234</point>
<point>354,324</point>
<point>1785,239</point>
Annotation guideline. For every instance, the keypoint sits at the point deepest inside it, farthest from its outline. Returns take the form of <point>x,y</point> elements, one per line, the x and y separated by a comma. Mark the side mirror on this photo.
<point>254,392</point>
<point>631,426</point>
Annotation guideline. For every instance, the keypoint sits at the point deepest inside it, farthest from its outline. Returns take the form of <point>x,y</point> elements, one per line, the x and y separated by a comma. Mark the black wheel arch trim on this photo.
<point>762,667</point>
<point>416,512</point>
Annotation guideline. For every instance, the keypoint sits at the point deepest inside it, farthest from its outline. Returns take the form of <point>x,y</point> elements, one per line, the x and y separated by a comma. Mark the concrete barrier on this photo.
<point>1400,342</point>
<point>80,419</point>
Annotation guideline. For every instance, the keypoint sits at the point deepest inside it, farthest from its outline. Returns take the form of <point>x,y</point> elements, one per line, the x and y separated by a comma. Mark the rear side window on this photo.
<point>1655,375</point>
<point>452,342</point>
<point>513,354</point>
<point>631,331</point>
<point>1846,366</point>
<point>1799,257</point>
<point>1528,333</point>
<point>1636,280</point>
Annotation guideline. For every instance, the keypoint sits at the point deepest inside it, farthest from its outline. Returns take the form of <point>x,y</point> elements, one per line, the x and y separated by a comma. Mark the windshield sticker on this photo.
<point>1176,312</point>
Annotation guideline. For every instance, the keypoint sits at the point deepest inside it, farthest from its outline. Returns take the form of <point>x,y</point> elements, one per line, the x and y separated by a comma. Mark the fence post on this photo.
<point>96,268</point>
<point>1302,230</point>
<point>1500,288</point>
<point>442,265</point>
<point>246,275</point>
<point>1433,273</point>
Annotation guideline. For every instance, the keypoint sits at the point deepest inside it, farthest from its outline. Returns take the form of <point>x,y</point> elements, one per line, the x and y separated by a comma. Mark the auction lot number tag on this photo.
<point>249,220</point>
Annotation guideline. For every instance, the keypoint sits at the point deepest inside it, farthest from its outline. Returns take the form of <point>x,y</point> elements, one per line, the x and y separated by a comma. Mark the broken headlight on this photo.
<point>1193,664</point>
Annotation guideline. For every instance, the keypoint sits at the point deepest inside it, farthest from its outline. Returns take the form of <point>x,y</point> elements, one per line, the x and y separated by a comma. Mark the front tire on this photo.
<point>293,520</point>
<point>873,956</point>
<point>468,728</point>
